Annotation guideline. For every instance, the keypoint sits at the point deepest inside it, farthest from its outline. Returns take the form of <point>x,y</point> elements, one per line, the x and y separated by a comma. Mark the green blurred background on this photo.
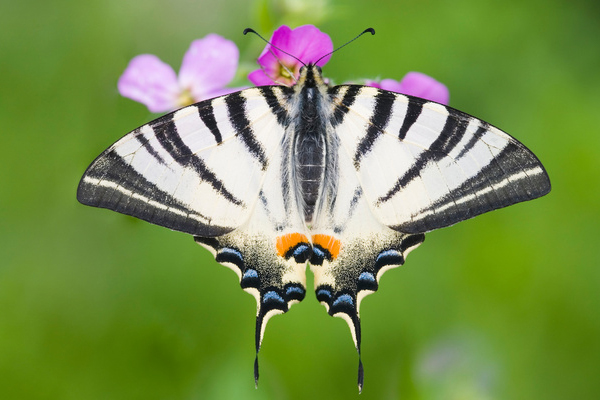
<point>97,305</point>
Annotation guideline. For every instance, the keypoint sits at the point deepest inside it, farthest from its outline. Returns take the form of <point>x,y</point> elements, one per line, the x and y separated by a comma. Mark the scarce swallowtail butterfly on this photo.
<point>347,179</point>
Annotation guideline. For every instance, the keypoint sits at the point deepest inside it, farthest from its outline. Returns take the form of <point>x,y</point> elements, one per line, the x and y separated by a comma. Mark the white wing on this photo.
<point>401,166</point>
<point>198,170</point>
<point>424,166</point>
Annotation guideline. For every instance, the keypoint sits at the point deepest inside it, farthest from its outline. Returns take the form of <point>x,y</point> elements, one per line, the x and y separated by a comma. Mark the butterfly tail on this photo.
<point>344,305</point>
<point>261,277</point>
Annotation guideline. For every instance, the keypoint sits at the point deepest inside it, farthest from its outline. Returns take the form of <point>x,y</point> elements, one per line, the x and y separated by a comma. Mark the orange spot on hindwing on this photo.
<point>296,245</point>
<point>329,243</point>
<point>288,242</point>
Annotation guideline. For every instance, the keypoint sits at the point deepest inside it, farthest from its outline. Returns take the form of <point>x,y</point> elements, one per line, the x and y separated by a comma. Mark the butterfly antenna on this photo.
<point>291,74</point>
<point>250,30</point>
<point>370,30</point>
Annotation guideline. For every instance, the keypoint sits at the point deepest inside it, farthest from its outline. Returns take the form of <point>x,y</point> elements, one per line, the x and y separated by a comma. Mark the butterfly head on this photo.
<point>310,76</point>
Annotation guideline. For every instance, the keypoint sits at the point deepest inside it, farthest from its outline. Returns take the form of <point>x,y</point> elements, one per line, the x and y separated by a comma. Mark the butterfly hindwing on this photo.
<point>424,166</point>
<point>351,251</point>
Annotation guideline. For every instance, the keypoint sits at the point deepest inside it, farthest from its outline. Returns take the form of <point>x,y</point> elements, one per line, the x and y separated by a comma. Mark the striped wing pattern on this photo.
<point>198,170</point>
<point>425,166</point>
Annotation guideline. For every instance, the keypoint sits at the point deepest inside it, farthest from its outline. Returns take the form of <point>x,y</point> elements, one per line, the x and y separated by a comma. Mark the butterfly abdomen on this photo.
<point>310,167</point>
<point>310,149</point>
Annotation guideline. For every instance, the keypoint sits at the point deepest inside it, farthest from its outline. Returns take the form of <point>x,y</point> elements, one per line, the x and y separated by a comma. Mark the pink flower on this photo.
<point>208,65</point>
<point>416,84</point>
<point>306,42</point>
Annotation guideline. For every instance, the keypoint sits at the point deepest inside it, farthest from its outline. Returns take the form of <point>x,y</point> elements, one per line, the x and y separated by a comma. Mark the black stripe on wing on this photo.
<point>513,176</point>
<point>111,183</point>
<point>483,128</point>
<point>413,111</point>
<point>452,133</point>
<point>270,93</point>
<point>207,115</point>
<point>236,109</point>
<point>145,143</point>
<point>342,107</point>
<point>384,102</point>
<point>165,131</point>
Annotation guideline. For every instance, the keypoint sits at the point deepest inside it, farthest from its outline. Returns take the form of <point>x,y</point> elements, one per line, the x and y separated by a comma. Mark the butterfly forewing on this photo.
<point>424,166</point>
<point>198,170</point>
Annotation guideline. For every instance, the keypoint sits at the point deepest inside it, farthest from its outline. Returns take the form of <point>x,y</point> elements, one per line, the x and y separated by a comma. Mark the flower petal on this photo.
<point>151,82</point>
<point>309,44</point>
<point>271,56</point>
<point>258,78</point>
<point>208,65</point>
<point>306,42</point>
<point>222,92</point>
<point>391,85</point>
<point>421,85</point>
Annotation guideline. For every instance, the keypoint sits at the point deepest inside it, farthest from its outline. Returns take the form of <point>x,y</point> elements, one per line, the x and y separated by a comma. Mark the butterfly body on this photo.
<point>347,179</point>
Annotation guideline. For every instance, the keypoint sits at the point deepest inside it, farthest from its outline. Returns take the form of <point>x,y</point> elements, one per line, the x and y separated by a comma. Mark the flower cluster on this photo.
<point>211,63</point>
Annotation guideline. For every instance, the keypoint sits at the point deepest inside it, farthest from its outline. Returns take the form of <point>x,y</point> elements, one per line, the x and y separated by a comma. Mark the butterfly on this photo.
<point>347,179</point>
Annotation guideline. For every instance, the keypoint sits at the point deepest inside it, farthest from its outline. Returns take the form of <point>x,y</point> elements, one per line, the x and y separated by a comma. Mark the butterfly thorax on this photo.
<point>311,147</point>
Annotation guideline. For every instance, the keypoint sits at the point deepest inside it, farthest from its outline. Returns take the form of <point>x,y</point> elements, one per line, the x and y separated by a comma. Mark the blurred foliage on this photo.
<point>96,305</point>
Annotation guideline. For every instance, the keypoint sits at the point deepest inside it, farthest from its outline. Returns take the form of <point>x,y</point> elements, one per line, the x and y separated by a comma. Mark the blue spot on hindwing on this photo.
<point>232,256</point>
<point>250,279</point>
<point>301,253</point>
<point>366,277</point>
<point>233,252</point>
<point>324,295</point>
<point>250,274</point>
<point>294,290</point>
<point>272,296</point>
<point>387,253</point>
<point>318,255</point>
<point>300,249</point>
<point>367,281</point>
<point>344,299</point>
<point>389,257</point>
